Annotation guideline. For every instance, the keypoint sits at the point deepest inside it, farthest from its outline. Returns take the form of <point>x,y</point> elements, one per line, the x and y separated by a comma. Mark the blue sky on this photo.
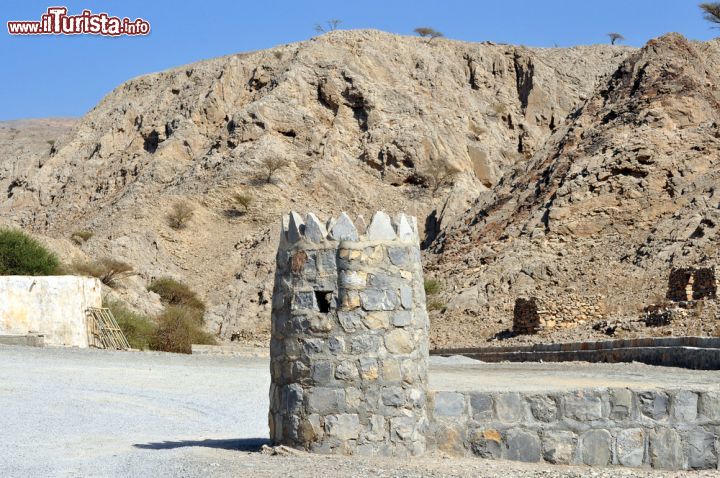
<point>67,75</point>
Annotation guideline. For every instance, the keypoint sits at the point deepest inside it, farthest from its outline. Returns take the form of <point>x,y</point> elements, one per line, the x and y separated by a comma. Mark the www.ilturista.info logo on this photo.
<point>57,22</point>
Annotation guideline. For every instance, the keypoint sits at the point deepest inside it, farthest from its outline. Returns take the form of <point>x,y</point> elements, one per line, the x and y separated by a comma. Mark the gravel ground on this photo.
<point>96,413</point>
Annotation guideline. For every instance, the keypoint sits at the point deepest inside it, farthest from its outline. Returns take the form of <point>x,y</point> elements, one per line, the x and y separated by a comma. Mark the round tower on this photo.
<point>349,348</point>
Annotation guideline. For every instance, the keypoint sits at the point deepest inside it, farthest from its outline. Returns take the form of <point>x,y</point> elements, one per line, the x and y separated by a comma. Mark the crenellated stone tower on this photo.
<point>349,348</point>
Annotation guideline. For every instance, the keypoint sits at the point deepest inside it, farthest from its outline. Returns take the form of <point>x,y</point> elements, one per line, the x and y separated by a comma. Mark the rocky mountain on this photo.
<point>365,119</point>
<point>618,196</point>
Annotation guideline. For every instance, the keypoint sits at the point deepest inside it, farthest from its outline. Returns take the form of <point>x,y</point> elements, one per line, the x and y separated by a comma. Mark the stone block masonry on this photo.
<point>664,429</point>
<point>349,370</point>
<point>539,313</point>
<point>688,284</point>
<point>349,348</point>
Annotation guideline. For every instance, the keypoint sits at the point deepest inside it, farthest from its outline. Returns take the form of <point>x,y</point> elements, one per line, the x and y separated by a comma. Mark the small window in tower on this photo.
<point>322,297</point>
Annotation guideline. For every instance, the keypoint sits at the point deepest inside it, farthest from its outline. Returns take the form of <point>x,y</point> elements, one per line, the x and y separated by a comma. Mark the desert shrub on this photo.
<point>138,329</point>
<point>439,176</point>
<point>180,214</point>
<point>20,254</point>
<point>435,304</point>
<point>242,200</point>
<point>108,270</point>
<point>80,237</point>
<point>271,165</point>
<point>173,292</point>
<point>178,328</point>
<point>432,286</point>
<point>500,109</point>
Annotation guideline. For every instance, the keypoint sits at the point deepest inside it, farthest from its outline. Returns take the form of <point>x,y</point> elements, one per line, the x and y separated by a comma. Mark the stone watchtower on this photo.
<point>349,344</point>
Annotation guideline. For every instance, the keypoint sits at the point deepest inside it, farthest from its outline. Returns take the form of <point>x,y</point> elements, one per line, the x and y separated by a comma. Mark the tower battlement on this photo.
<point>295,229</point>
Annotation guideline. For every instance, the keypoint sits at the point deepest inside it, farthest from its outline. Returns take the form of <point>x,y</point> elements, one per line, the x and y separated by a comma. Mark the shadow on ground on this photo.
<point>241,444</point>
<point>504,334</point>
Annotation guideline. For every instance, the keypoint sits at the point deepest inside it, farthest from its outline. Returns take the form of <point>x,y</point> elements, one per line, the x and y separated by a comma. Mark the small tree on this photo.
<point>331,26</point>
<point>180,214</point>
<point>271,165</point>
<point>437,178</point>
<point>711,12</point>
<point>242,200</point>
<point>429,33</point>
<point>614,37</point>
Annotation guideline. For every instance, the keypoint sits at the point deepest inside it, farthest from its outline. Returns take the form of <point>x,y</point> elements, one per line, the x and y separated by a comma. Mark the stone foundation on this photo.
<point>665,429</point>
<point>349,345</point>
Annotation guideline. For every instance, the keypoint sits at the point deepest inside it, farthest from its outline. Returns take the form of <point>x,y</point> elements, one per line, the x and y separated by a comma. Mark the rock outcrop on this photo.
<point>618,197</point>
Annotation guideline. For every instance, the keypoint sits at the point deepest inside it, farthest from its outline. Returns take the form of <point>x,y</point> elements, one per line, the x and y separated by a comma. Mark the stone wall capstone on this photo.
<point>349,346</point>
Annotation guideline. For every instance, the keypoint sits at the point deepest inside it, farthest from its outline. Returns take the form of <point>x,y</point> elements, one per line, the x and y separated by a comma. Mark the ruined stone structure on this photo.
<point>688,284</point>
<point>349,347</point>
<point>535,314</point>
<point>526,319</point>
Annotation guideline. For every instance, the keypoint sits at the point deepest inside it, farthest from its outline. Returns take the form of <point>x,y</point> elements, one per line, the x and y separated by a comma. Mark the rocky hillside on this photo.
<point>364,118</point>
<point>22,145</point>
<point>617,196</point>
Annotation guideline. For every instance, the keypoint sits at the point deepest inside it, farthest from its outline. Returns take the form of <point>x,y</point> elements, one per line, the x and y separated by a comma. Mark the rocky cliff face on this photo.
<point>362,116</point>
<point>622,193</point>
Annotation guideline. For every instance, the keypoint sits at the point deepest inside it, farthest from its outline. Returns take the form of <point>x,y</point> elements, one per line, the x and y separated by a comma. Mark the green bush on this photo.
<point>109,271</point>
<point>435,304</point>
<point>178,328</point>
<point>138,329</point>
<point>173,292</point>
<point>20,254</point>
<point>432,286</point>
<point>180,214</point>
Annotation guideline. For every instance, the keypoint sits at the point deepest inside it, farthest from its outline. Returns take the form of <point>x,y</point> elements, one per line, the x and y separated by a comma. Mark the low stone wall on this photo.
<point>665,429</point>
<point>54,306</point>
<point>698,353</point>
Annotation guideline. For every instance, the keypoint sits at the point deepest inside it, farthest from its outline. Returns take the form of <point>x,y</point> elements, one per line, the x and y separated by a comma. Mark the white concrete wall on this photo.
<point>54,306</point>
